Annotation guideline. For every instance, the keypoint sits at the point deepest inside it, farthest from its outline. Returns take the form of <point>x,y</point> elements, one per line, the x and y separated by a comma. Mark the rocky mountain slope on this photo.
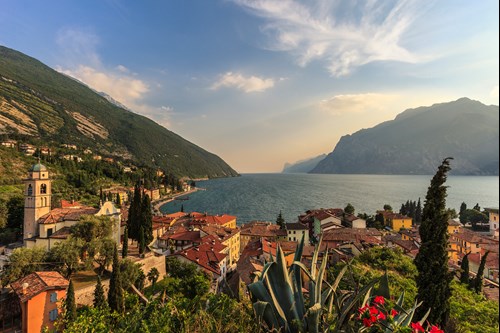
<point>417,140</point>
<point>303,166</point>
<point>40,105</point>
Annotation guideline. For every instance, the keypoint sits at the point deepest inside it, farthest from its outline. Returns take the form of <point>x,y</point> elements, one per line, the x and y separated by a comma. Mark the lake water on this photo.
<point>262,196</point>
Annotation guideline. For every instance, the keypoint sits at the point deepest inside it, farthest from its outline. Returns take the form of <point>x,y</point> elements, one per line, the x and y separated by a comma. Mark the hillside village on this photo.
<point>229,253</point>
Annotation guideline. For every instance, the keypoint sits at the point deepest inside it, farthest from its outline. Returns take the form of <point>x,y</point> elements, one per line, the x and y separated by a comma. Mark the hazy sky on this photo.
<point>261,83</point>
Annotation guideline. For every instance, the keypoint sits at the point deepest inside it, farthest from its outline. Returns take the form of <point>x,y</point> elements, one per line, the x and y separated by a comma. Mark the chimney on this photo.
<point>25,288</point>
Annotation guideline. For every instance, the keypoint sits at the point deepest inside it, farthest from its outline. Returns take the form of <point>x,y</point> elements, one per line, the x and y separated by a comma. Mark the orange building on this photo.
<point>40,294</point>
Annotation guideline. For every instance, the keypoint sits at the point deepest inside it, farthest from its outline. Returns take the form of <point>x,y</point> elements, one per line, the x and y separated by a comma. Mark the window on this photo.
<point>49,233</point>
<point>53,296</point>
<point>30,189</point>
<point>53,315</point>
<point>43,189</point>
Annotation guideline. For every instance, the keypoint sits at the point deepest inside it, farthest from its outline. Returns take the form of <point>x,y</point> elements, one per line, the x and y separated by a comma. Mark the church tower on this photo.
<point>37,197</point>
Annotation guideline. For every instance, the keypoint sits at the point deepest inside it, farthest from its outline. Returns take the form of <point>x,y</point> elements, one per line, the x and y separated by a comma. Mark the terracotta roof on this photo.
<point>190,236</point>
<point>66,214</point>
<point>207,255</point>
<point>296,226</point>
<point>223,233</point>
<point>176,215</point>
<point>351,218</point>
<point>262,229</point>
<point>454,223</point>
<point>212,219</point>
<point>491,260</point>
<point>37,283</point>
<point>246,267</point>
<point>473,237</point>
<point>70,204</point>
<point>340,235</point>
<point>62,233</point>
<point>321,214</point>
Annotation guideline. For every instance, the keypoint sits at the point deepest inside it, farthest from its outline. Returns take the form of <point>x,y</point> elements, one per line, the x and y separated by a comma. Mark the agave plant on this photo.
<point>280,304</point>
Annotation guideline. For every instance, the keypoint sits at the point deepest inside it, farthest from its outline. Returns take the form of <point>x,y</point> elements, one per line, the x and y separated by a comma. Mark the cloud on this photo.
<point>240,82</point>
<point>342,34</point>
<point>356,103</point>
<point>82,61</point>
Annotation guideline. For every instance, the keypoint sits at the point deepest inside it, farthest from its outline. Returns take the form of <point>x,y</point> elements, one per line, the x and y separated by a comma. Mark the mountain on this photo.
<point>417,140</point>
<point>40,105</point>
<point>303,166</point>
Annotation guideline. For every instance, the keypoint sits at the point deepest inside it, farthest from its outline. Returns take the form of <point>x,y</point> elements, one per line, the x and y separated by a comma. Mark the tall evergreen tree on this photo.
<point>142,241</point>
<point>115,293</point>
<point>125,244</point>
<point>280,221</point>
<point>464,268</point>
<point>147,219</point>
<point>477,207</point>
<point>477,283</point>
<point>433,280</point>
<point>134,214</point>
<point>349,209</point>
<point>418,213</point>
<point>70,303</point>
<point>118,200</point>
<point>99,298</point>
<point>463,207</point>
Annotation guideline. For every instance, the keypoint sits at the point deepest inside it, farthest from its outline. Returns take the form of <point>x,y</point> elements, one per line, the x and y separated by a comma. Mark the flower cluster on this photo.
<point>376,317</point>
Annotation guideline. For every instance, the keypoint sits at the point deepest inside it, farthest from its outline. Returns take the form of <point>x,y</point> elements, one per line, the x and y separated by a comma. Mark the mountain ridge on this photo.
<point>416,141</point>
<point>303,166</point>
<point>37,103</point>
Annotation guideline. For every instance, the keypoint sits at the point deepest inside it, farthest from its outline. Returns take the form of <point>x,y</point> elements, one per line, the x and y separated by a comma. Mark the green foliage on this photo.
<point>153,276</point>
<point>387,207</point>
<point>349,209</point>
<point>99,297</point>
<point>115,293</point>
<point>147,219</point>
<point>70,304</point>
<point>464,270</point>
<point>125,244</point>
<point>65,256</point>
<point>434,278</point>
<point>472,312</point>
<point>473,216</point>
<point>22,261</point>
<point>92,227</point>
<point>193,282</point>
<point>280,221</point>
<point>477,283</point>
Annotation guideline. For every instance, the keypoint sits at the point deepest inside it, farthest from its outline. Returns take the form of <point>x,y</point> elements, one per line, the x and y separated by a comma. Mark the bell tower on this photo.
<point>37,198</point>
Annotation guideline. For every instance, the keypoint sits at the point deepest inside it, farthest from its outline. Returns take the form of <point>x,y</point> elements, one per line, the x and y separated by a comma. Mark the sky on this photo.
<point>263,82</point>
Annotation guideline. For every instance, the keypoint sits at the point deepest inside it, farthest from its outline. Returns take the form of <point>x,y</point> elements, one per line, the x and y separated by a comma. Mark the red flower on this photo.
<point>394,313</point>
<point>363,309</point>
<point>417,327</point>
<point>435,329</point>
<point>367,322</point>
<point>379,300</point>
<point>381,315</point>
<point>373,310</point>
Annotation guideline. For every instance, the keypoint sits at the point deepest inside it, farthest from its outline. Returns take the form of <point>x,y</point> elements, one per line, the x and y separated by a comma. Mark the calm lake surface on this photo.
<point>262,196</point>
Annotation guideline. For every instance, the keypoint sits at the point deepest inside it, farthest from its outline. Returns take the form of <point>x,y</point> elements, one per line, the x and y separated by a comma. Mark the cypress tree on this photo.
<point>99,298</point>
<point>464,268</point>
<point>115,293</point>
<point>280,221</point>
<point>433,280</point>
<point>118,200</point>
<point>142,241</point>
<point>125,244</point>
<point>418,213</point>
<point>70,304</point>
<point>147,219</point>
<point>134,214</point>
<point>477,283</point>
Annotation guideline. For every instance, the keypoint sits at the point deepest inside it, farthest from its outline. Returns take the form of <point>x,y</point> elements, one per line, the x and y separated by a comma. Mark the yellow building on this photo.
<point>397,222</point>
<point>453,227</point>
<point>230,237</point>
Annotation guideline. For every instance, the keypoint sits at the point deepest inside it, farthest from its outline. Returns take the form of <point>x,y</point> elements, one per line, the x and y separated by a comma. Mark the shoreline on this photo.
<point>160,202</point>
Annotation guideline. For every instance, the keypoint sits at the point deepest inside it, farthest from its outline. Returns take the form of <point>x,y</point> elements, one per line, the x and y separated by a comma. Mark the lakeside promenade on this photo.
<point>160,202</point>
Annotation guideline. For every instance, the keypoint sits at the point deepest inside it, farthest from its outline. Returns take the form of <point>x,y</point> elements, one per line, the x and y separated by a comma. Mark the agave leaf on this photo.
<point>265,270</point>
<point>319,279</point>
<point>264,311</point>
<point>313,317</point>
<point>408,318</point>
<point>383,287</point>
<point>315,257</point>
<point>303,268</point>
<point>297,280</point>
<point>422,321</point>
<point>351,302</point>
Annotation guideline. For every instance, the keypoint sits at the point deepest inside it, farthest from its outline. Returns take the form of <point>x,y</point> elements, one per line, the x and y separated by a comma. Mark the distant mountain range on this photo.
<point>42,106</point>
<point>417,140</point>
<point>303,166</point>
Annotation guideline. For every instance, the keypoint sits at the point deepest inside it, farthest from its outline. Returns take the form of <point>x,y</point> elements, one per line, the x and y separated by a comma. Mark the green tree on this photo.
<point>134,215</point>
<point>387,207</point>
<point>3,214</point>
<point>153,276</point>
<point>142,241</point>
<point>418,213</point>
<point>65,256</point>
<point>118,200</point>
<point>125,244</point>
<point>463,207</point>
<point>433,280</point>
<point>99,297</point>
<point>477,207</point>
<point>115,293</point>
<point>22,261</point>
<point>70,303</point>
<point>15,215</point>
<point>102,252</point>
<point>349,209</point>
<point>280,221</point>
<point>147,219</point>
<point>464,270</point>
<point>477,283</point>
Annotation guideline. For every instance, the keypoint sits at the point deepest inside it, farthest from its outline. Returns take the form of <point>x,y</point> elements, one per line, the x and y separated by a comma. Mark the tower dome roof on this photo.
<point>38,167</point>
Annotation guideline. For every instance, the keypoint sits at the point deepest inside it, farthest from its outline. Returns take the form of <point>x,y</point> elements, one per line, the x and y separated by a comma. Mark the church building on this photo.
<point>46,227</point>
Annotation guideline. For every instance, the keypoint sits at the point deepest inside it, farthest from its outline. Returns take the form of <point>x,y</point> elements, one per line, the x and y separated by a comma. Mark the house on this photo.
<point>69,146</point>
<point>46,227</point>
<point>352,221</point>
<point>9,143</point>
<point>224,220</point>
<point>208,257</point>
<point>116,191</point>
<point>295,232</point>
<point>27,148</point>
<point>97,157</point>
<point>469,241</point>
<point>320,220</point>
<point>45,151</point>
<point>364,237</point>
<point>396,221</point>
<point>254,230</point>
<point>40,295</point>
<point>263,250</point>
<point>493,219</point>
<point>454,227</point>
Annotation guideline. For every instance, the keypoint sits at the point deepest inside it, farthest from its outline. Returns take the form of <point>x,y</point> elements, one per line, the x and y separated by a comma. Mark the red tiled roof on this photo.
<point>70,204</point>
<point>207,255</point>
<point>262,229</point>
<point>62,233</point>
<point>212,219</point>
<point>66,214</point>
<point>352,235</point>
<point>176,215</point>
<point>473,237</point>
<point>38,282</point>
<point>223,233</point>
